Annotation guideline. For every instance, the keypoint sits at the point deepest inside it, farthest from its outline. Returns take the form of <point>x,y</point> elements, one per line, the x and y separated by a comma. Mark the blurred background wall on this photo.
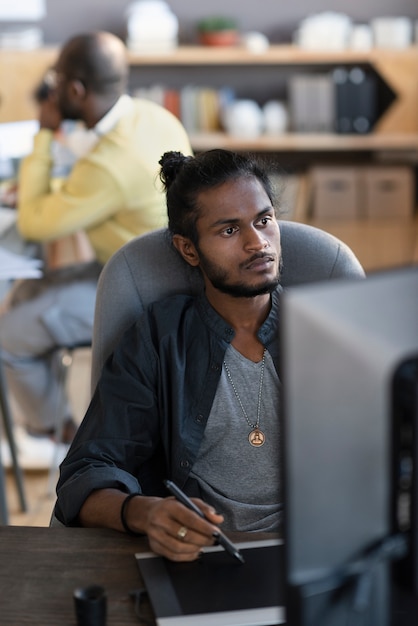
<point>275,18</point>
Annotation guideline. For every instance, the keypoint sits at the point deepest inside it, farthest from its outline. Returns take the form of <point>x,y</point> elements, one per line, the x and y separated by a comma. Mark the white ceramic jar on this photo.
<point>243,118</point>
<point>152,27</point>
<point>276,117</point>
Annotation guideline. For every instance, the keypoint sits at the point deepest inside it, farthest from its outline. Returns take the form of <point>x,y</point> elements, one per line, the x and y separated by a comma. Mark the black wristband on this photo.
<point>123,512</point>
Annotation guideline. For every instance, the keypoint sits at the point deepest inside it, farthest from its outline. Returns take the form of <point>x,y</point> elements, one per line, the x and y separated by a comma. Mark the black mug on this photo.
<point>90,605</point>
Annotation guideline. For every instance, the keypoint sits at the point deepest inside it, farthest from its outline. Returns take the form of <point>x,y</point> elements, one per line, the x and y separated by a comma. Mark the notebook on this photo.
<point>217,589</point>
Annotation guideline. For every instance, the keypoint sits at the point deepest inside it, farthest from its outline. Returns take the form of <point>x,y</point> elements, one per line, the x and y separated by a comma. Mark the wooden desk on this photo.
<point>40,568</point>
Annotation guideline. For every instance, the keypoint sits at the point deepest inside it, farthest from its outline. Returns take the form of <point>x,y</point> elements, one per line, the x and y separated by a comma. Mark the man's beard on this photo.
<point>218,277</point>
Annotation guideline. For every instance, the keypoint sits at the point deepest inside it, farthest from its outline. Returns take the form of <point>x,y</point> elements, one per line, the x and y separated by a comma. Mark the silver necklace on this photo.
<point>256,437</point>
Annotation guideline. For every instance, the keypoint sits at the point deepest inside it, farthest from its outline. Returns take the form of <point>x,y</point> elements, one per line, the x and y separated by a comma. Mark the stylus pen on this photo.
<point>223,540</point>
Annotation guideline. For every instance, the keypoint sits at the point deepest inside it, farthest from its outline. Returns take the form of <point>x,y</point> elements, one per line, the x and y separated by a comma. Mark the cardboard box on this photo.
<point>335,192</point>
<point>388,191</point>
<point>378,244</point>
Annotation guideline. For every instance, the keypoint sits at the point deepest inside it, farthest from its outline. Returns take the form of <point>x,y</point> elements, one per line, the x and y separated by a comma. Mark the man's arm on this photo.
<point>159,518</point>
<point>86,198</point>
<point>38,182</point>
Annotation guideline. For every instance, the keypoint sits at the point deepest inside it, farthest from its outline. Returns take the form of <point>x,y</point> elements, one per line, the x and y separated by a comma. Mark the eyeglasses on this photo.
<point>53,78</point>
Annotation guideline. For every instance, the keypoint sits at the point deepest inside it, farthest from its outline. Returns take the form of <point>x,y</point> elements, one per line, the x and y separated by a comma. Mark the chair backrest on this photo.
<point>148,268</point>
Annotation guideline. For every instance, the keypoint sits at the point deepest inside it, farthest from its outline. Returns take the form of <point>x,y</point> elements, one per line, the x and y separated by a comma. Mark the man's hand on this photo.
<point>49,113</point>
<point>173,530</point>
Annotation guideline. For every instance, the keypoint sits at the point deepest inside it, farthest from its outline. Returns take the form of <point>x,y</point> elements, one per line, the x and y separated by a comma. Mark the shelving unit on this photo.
<point>395,133</point>
<point>21,71</point>
<point>397,129</point>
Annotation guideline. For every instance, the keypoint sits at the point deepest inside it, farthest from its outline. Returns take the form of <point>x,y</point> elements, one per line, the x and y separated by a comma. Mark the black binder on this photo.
<point>355,100</point>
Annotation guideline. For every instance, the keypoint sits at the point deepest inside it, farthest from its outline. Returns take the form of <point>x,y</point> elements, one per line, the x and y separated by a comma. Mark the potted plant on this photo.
<point>218,30</point>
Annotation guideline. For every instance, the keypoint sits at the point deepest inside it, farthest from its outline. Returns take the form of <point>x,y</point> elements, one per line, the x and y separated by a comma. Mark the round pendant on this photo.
<point>256,437</point>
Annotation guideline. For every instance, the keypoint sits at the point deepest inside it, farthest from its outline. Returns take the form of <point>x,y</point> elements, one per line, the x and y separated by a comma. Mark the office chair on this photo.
<point>149,268</point>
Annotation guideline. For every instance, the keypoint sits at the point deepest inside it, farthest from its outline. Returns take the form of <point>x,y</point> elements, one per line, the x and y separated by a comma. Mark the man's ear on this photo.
<point>186,249</point>
<point>77,89</point>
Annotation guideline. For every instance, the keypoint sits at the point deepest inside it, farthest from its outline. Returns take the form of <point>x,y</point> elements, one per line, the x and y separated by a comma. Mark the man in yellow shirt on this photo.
<point>111,194</point>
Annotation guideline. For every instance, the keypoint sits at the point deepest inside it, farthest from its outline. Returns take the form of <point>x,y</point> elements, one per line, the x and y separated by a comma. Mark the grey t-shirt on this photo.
<point>241,481</point>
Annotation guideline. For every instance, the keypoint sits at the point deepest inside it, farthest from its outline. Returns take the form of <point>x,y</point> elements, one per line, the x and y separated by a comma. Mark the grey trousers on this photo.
<point>12,241</point>
<point>42,315</point>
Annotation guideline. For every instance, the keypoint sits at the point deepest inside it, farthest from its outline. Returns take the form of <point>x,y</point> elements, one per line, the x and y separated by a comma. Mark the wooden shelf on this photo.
<point>296,142</point>
<point>274,55</point>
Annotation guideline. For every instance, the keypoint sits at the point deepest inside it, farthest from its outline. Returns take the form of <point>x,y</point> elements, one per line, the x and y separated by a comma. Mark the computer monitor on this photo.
<point>350,389</point>
<point>16,141</point>
<point>16,138</point>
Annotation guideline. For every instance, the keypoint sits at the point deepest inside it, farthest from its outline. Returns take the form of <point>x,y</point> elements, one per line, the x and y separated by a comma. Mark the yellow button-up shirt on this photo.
<point>113,193</point>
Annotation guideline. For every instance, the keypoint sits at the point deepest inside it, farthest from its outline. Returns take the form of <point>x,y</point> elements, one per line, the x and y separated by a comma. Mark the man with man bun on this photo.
<point>191,392</point>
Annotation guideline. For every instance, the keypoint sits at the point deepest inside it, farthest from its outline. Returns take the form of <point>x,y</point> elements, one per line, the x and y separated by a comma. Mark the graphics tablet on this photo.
<point>217,589</point>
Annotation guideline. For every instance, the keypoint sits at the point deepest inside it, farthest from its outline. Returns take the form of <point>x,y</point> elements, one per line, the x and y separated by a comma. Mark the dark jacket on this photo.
<point>148,414</point>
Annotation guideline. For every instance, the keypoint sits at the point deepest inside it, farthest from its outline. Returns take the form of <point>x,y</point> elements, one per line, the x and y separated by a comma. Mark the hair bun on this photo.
<point>171,163</point>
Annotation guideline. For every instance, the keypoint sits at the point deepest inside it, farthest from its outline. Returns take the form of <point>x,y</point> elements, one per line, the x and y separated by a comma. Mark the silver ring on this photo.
<point>182,532</point>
